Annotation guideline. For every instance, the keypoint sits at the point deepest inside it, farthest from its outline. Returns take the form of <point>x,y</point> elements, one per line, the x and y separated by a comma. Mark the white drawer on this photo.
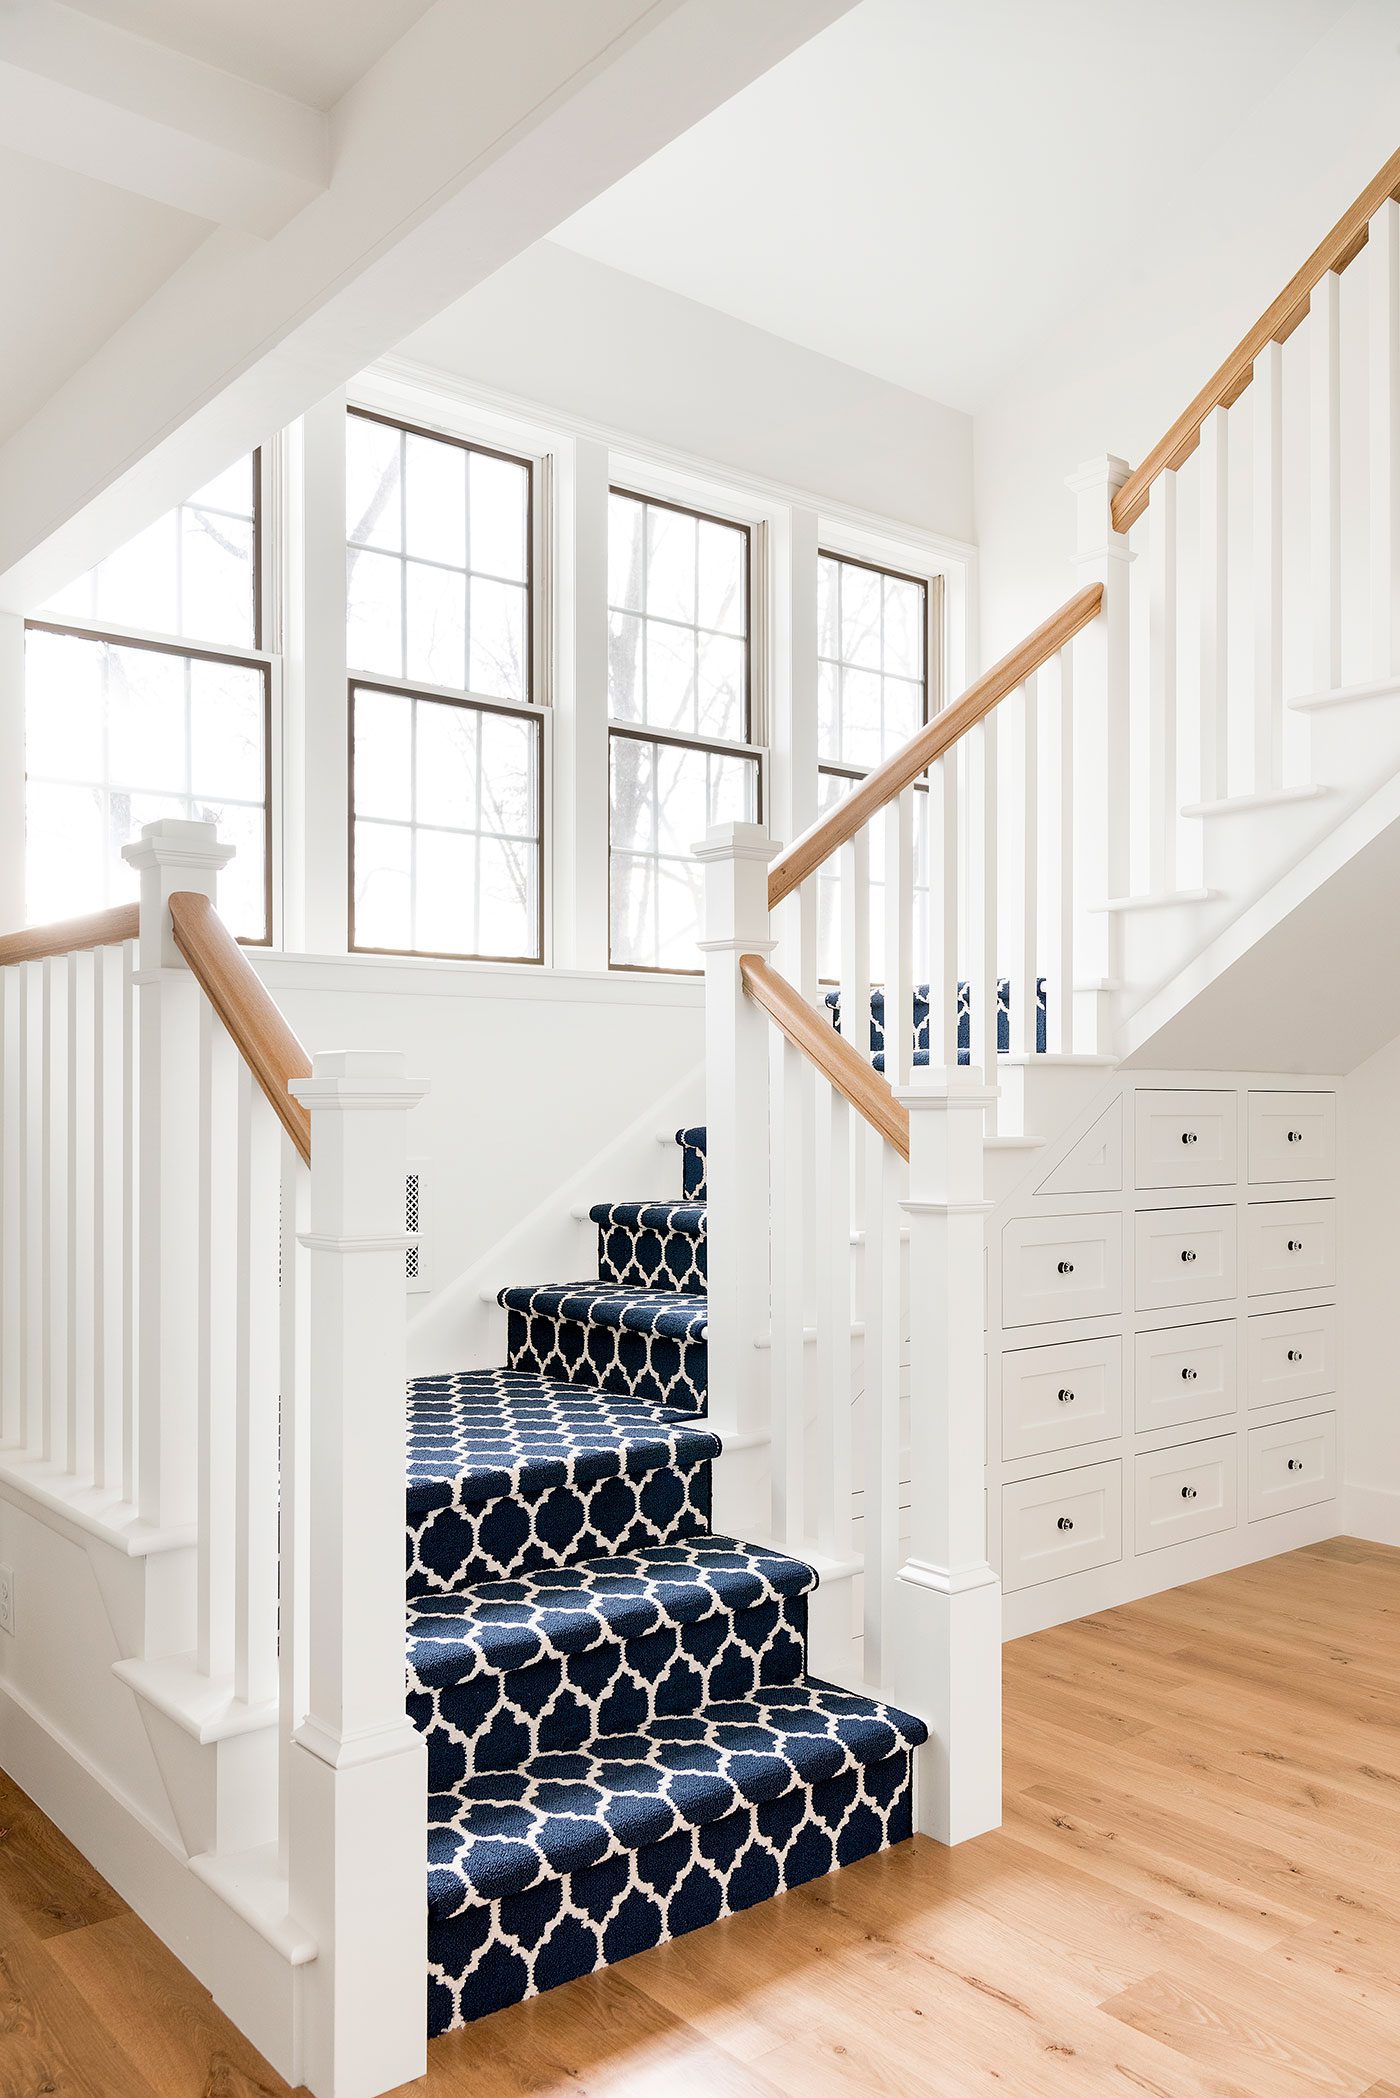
<point>1185,1373</point>
<point>1061,1268</point>
<point>1292,1464</point>
<point>1061,1525</point>
<point>1184,1493</point>
<point>1292,1245</point>
<point>1185,1256</point>
<point>1292,1355</point>
<point>1186,1139</point>
<point>1055,1398</point>
<point>1292,1136</point>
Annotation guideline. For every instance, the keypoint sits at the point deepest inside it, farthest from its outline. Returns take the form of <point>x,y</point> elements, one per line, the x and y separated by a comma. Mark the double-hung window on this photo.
<point>446,736</point>
<point>681,750</point>
<point>148,693</point>
<point>877,636</point>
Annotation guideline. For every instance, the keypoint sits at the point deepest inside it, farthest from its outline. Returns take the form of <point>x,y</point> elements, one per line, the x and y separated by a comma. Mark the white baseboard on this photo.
<point>249,1980</point>
<point>1373,1512</point>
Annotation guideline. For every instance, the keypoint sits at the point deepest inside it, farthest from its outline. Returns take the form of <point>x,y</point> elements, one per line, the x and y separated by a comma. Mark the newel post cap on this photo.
<point>345,1078</point>
<point>175,842</point>
<point>737,841</point>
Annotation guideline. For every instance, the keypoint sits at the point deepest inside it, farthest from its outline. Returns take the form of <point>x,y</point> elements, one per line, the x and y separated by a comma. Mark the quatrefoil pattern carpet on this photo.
<point>623,1740</point>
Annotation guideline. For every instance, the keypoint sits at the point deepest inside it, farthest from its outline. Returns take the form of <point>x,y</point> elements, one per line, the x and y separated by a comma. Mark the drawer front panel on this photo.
<point>1185,1373</point>
<point>1055,1398</point>
<point>1061,1268</point>
<point>1292,1245</point>
<point>1185,1256</point>
<point>1292,1464</point>
<point>1292,1136</point>
<point>1184,1493</point>
<point>1292,1355</point>
<point>1186,1139</point>
<point>1062,1525</point>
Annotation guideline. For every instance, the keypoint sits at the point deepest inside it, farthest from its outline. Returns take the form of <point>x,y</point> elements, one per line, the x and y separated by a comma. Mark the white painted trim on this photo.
<point>423,976</point>
<point>1372,1512</point>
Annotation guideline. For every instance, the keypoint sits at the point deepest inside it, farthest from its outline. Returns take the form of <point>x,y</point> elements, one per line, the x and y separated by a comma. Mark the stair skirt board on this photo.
<point>623,1742</point>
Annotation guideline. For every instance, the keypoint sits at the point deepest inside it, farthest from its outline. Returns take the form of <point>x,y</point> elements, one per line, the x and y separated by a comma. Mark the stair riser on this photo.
<point>500,1721</point>
<point>454,1547</point>
<point>653,1367</point>
<point>693,1172</point>
<point>496,1953</point>
<point>638,1257</point>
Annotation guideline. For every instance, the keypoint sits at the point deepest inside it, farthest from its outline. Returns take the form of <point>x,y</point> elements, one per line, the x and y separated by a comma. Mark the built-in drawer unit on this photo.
<point>1060,1525</point>
<point>1184,1492</point>
<point>1292,1136</point>
<point>1056,1397</point>
<point>1185,1139</point>
<point>1291,1245</point>
<point>1061,1268</point>
<point>1185,1373</point>
<point>1185,1256</point>
<point>1292,1464</point>
<point>1292,1355</point>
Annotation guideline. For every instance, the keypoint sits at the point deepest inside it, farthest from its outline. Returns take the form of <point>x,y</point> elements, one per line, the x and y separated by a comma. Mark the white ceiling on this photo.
<point>311,49</point>
<point>929,186</point>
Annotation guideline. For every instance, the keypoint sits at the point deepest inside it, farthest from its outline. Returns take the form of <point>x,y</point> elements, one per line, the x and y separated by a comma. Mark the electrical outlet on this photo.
<point>7,1600</point>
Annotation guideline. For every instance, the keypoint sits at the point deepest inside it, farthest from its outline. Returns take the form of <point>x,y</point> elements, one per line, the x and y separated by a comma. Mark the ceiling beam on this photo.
<point>90,97</point>
<point>472,138</point>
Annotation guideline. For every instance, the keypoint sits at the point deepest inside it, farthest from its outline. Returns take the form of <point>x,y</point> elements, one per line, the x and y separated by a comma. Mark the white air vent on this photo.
<point>416,1278</point>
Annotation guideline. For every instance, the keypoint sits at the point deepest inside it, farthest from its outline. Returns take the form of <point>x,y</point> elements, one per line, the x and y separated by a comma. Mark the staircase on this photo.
<point>624,1741</point>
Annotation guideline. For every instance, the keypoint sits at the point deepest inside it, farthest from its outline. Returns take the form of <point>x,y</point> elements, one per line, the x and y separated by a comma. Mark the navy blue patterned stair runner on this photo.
<point>624,1742</point>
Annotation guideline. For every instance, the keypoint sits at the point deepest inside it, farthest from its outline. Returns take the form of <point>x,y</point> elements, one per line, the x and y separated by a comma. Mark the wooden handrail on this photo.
<point>245,1006</point>
<point>870,1094</point>
<point>72,935</point>
<point>1342,245</point>
<point>832,831</point>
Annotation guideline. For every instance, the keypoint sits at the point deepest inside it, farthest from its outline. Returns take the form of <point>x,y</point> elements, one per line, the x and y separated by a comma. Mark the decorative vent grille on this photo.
<point>416,1257</point>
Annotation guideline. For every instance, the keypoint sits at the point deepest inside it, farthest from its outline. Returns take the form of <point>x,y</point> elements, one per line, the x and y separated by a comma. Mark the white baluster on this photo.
<point>831,1511</point>
<point>12,1135</point>
<point>1059,856</point>
<point>1022,852</point>
<point>881,1307</point>
<point>1101,802</point>
<point>295,1526</point>
<point>219,1137</point>
<point>792,1079</point>
<point>1268,565</point>
<point>258,1336</point>
<point>944,898</point>
<point>854,929</point>
<point>53,1435</point>
<point>34,1228</point>
<point>130,1226</point>
<point>1383,284</point>
<point>1325,491</point>
<point>984,891</point>
<point>899,937</point>
<point>1214,593</point>
<point>1164,796</point>
<point>948,1664</point>
<point>359,1769</point>
<point>110,1325</point>
<point>82,1212</point>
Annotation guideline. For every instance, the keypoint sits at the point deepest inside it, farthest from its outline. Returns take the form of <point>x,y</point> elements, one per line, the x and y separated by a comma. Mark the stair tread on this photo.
<point>499,1833</point>
<point>678,1314</point>
<point>477,1435</point>
<point>658,1214</point>
<point>509,1624</point>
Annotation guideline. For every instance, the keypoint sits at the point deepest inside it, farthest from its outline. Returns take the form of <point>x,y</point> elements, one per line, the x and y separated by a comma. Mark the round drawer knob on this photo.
<point>1188,1254</point>
<point>1066,1396</point>
<point>1188,1136</point>
<point>1188,1375</point>
<point>1188,1493</point>
<point>1295,1245</point>
<point>1064,1523</point>
<point>1295,1136</point>
<point>1295,1464</point>
<point>1295,1354</point>
<point>1066,1267</point>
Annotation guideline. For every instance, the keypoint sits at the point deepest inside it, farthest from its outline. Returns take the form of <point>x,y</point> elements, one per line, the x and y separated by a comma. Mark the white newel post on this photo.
<point>171,856</point>
<point>948,1613</point>
<point>358,1790</point>
<point>1101,856</point>
<point>736,858</point>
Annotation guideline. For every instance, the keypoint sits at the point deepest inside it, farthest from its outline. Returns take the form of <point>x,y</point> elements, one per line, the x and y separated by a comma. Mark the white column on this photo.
<point>358,1778</point>
<point>170,856</point>
<point>948,1614</point>
<point>12,912</point>
<point>736,857</point>
<point>315,740</point>
<point>1101,859</point>
<point>578,723</point>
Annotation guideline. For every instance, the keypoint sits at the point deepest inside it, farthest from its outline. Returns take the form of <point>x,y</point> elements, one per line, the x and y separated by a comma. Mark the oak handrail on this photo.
<point>1342,245</point>
<point>860,1083</point>
<point>842,823</point>
<point>249,1012</point>
<point>72,935</point>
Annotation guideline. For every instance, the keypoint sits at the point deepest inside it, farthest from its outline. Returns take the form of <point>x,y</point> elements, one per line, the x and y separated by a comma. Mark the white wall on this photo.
<point>1154,325</point>
<point>1370,1106</point>
<point>557,329</point>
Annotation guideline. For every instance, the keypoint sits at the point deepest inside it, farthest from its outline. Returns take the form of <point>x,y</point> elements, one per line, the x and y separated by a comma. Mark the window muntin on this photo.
<point>121,733</point>
<point>446,841</point>
<point>437,560</point>
<point>680,707</point>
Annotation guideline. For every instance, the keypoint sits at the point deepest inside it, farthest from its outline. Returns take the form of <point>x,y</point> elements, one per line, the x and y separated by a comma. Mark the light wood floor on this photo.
<point>1196,1895</point>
